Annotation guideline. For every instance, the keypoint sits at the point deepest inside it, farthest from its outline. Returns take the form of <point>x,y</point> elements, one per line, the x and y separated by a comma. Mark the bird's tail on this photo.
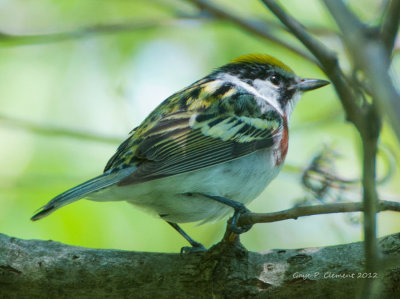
<point>96,184</point>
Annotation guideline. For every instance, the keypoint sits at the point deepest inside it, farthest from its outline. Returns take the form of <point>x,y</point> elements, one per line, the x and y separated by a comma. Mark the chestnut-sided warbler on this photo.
<point>213,146</point>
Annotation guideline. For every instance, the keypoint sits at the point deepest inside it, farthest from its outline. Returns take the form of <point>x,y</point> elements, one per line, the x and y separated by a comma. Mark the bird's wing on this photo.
<point>187,144</point>
<point>184,142</point>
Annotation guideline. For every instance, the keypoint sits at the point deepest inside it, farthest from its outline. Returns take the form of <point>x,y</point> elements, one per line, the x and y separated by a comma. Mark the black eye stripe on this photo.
<point>248,73</point>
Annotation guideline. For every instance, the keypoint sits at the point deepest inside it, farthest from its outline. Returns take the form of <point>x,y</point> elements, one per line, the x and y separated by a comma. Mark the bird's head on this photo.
<point>270,78</point>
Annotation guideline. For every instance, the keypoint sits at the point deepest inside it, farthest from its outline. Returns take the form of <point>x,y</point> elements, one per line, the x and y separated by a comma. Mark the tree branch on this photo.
<point>12,39</point>
<point>255,27</point>
<point>390,25</point>
<point>59,132</point>
<point>300,211</point>
<point>46,269</point>
<point>371,59</point>
<point>370,56</point>
<point>327,60</point>
<point>258,28</point>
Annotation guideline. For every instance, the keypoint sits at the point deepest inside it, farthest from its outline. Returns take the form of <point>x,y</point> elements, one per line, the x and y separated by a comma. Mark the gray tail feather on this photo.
<point>96,184</point>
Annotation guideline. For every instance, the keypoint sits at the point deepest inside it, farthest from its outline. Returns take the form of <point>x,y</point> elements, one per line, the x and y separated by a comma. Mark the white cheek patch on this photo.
<point>290,106</point>
<point>269,91</point>
<point>264,90</point>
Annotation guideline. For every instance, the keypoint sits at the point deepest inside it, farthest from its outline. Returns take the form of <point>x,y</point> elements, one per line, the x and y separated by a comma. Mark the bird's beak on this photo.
<point>309,84</point>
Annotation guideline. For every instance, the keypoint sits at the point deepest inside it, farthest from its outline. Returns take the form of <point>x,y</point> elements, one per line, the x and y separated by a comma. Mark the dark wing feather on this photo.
<point>121,151</point>
<point>185,142</point>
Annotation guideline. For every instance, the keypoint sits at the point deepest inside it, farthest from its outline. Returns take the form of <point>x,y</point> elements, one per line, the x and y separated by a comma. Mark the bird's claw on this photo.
<point>234,227</point>
<point>196,247</point>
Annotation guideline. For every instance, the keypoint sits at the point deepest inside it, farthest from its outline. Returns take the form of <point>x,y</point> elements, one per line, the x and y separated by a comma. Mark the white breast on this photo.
<point>242,180</point>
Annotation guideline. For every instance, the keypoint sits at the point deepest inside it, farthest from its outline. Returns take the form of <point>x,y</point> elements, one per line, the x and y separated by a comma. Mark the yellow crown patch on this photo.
<point>262,58</point>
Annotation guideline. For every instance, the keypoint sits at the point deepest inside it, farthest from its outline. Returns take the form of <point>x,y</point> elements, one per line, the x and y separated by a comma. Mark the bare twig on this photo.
<point>370,202</point>
<point>301,211</point>
<point>13,39</point>
<point>370,56</point>
<point>390,25</point>
<point>9,39</point>
<point>257,28</point>
<point>59,132</point>
<point>327,61</point>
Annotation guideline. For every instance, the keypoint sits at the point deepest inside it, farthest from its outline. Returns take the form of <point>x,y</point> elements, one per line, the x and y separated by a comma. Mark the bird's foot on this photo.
<point>233,225</point>
<point>239,208</point>
<point>196,247</point>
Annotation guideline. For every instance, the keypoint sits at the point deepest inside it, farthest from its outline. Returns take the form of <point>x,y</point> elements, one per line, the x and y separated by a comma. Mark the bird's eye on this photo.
<point>275,79</point>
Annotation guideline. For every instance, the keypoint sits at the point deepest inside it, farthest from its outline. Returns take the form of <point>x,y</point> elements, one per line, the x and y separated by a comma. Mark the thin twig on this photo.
<point>327,60</point>
<point>27,39</point>
<point>370,56</point>
<point>59,132</point>
<point>257,28</point>
<point>301,211</point>
<point>390,25</point>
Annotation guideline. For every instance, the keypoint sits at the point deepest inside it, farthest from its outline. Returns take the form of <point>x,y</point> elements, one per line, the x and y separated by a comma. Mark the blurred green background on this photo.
<point>66,105</point>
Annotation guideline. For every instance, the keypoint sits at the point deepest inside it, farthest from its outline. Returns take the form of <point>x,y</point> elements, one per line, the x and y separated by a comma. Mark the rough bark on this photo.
<point>47,269</point>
